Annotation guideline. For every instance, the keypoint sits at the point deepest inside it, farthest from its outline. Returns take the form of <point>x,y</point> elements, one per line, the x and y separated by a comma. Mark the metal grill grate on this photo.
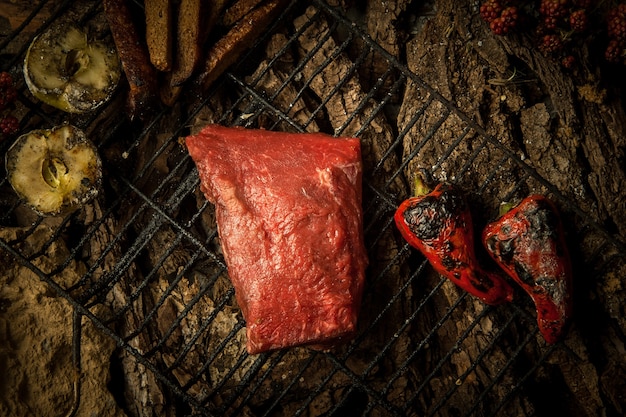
<point>153,278</point>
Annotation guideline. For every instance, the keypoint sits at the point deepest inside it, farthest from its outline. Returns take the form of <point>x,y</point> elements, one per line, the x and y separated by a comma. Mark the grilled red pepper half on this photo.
<point>439,224</point>
<point>528,243</point>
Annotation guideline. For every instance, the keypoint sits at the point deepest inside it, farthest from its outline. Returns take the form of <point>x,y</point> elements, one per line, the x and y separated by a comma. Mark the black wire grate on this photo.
<point>155,282</point>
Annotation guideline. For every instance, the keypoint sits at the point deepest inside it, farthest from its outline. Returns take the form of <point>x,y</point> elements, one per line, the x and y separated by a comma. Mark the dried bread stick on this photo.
<point>133,54</point>
<point>229,48</point>
<point>159,33</point>
<point>238,10</point>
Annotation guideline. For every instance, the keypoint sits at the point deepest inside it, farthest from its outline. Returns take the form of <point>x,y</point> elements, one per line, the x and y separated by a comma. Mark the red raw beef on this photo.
<point>289,216</point>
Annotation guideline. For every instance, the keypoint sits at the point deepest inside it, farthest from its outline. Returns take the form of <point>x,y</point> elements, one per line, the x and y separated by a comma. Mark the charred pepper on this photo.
<point>439,224</point>
<point>527,242</point>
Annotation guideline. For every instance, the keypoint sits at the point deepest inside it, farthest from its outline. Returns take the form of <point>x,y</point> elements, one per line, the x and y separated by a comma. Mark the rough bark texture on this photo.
<point>566,126</point>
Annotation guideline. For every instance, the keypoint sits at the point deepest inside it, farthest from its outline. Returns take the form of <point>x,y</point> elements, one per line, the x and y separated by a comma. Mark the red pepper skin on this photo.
<point>439,224</point>
<point>528,243</point>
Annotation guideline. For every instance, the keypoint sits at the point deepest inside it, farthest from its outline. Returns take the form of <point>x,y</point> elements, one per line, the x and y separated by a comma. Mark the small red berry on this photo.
<point>498,26</point>
<point>490,10</point>
<point>551,43</point>
<point>550,22</point>
<point>554,8</point>
<point>578,20</point>
<point>616,22</point>
<point>507,20</point>
<point>5,79</point>
<point>614,51</point>
<point>568,62</point>
<point>9,125</point>
<point>510,16</point>
<point>10,94</point>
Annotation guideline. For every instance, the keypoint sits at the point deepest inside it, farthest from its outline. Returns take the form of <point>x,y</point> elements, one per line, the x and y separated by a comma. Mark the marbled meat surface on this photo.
<point>289,215</point>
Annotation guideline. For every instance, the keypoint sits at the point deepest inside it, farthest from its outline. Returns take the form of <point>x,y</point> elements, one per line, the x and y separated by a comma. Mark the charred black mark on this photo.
<point>523,273</point>
<point>543,221</point>
<point>423,219</point>
<point>550,287</point>
<point>451,201</point>
<point>428,217</point>
<point>450,263</point>
<point>506,250</point>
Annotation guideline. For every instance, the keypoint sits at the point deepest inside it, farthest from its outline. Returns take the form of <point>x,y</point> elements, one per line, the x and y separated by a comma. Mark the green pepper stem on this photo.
<point>420,188</point>
<point>505,207</point>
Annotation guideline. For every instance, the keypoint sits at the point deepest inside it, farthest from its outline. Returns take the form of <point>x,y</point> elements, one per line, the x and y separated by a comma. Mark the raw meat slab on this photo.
<point>289,217</point>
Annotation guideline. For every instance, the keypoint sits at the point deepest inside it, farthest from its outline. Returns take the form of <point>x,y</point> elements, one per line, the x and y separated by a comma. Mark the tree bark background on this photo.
<point>566,125</point>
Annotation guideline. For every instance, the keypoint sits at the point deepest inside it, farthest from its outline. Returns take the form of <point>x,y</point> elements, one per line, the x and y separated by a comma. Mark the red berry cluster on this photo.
<point>551,43</point>
<point>9,125</point>
<point>560,26</point>
<point>616,30</point>
<point>490,10</point>
<point>578,20</point>
<point>8,93</point>
<point>553,12</point>
<point>501,19</point>
<point>563,19</point>
<point>568,61</point>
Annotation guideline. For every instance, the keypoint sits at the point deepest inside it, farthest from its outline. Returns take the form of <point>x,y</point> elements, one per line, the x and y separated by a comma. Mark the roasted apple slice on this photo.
<point>54,170</point>
<point>67,70</point>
